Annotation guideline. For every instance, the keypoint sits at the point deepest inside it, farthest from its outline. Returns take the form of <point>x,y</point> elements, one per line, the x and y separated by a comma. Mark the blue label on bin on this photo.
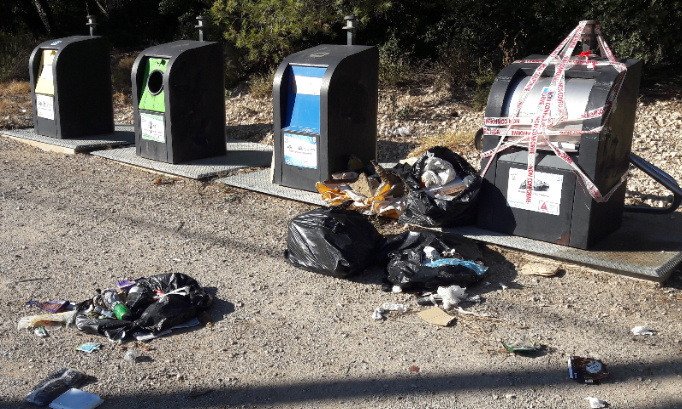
<point>300,150</point>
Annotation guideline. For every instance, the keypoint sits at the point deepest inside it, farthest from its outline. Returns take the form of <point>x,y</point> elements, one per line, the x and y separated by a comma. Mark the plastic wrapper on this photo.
<point>406,261</point>
<point>332,241</point>
<point>41,320</point>
<point>54,385</point>
<point>426,208</point>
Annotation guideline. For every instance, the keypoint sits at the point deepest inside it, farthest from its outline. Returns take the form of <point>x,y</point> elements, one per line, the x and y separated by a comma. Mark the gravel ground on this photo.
<point>281,337</point>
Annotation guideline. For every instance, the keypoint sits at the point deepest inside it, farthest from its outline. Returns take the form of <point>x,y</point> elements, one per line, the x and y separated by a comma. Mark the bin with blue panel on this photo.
<point>71,88</point>
<point>179,102</point>
<point>325,113</point>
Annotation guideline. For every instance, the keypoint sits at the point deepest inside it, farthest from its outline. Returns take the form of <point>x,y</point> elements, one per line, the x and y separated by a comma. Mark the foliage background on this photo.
<point>465,41</point>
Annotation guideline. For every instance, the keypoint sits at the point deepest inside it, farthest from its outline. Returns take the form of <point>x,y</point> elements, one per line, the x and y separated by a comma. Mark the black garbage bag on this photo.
<point>332,241</point>
<point>156,303</point>
<point>166,300</point>
<point>424,210</point>
<point>408,268</point>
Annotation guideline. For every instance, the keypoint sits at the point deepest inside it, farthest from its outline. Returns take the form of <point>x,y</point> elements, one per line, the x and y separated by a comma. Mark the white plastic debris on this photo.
<point>397,289</point>
<point>452,296</point>
<point>642,330</point>
<point>391,306</point>
<point>596,403</point>
<point>378,314</point>
<point>437,172</point>
<point>430,253</point>
<point>503,286</point>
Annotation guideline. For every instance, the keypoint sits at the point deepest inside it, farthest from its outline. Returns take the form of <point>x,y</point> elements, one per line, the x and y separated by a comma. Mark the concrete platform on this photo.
<point>240,155</point>
<point>123,136</point>
<point>648,246</point>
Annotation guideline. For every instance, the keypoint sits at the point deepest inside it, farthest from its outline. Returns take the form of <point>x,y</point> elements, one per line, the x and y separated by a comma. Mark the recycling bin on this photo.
<point>325,113</point>
<point>71,88</point>
<point>179,102</point>
<point>562,210</point>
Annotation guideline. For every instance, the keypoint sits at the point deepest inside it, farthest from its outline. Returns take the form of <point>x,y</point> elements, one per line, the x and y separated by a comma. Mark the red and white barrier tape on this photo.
<point>543,124</point>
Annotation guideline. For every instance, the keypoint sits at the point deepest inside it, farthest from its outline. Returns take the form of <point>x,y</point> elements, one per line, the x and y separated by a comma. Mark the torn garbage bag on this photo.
<point>332,241</point>
<point>425,260</point>
<point>443,190</point>
<point>156,303</point>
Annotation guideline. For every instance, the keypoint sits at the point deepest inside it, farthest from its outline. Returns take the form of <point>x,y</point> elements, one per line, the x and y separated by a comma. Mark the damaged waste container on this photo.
<point>325,112</point>
<point>71,87</point>
<point>179,101</point>
<point>556,144</point>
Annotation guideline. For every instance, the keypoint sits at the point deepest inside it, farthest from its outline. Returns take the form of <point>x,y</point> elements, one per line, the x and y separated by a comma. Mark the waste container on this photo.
<point>71,87</point>
<point>325,112</point>
<point>179,101</point>
<point>566,125</point>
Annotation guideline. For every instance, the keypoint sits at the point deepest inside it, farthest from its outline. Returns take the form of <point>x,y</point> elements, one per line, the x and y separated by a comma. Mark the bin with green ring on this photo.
<point>179,102</point>
<point>325,112</point>
<point>71,88</point>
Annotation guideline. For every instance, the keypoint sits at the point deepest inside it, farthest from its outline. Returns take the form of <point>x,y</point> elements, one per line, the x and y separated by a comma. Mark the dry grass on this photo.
<point>15,89</point>
<point>456,140</point>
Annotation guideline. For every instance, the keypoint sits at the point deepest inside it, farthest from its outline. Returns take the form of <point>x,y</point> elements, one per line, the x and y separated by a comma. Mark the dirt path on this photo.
<point>283,337</point>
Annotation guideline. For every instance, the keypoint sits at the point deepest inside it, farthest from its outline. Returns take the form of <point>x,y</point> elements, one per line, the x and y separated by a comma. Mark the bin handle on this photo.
<point>661,177</point>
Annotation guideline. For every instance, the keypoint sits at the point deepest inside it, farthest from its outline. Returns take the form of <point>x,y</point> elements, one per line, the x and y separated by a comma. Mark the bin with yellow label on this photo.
<point>71,88</point>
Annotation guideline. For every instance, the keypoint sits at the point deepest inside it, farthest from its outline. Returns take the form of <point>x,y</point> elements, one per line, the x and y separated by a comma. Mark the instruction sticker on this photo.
<point>300,150</point>
<point>546,197</point>
<point>302,84</point>
<point>152,127</point>
<point>45,106</point>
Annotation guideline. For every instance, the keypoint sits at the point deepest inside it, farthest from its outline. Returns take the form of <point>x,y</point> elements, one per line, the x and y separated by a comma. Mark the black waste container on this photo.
<point>179,101</point>
<point>325,112</point>
<point>596,135</point>
<point>71,87</point>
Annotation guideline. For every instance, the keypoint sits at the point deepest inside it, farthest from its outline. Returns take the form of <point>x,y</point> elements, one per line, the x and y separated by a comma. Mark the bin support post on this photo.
<point>350,28</point>
<point>200,25</point>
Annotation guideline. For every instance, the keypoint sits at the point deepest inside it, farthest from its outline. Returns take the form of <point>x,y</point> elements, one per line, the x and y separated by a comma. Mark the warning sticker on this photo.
<point>546,194</point>
<point>300,150</point>
<point>152,127</point>
<point>45,106</point>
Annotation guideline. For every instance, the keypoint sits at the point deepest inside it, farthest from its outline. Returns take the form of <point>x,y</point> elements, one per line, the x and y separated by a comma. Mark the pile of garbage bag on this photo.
<point>341,243</point>
<point>440,189</point>
<point>149,305</point>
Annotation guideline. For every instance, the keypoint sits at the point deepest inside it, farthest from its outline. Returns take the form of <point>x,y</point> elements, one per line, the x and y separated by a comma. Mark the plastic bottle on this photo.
<point>114,303</point>
<point>106,313</point>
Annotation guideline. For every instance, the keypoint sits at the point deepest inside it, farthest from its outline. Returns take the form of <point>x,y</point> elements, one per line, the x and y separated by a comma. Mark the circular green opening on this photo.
<point>155,82</point>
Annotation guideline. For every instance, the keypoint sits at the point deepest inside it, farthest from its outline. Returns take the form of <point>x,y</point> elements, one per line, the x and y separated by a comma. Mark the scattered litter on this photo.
<point>125,285</point>
<point>396,289</point>
<point>50,306</point>
<point>474,298</point>
<point>643,330</point>
<point>523,346</point>
<point>503,286</point>
<point>451,296</point>
<point>596,403</point>
<point>539,269</point>
<point>40,331</point>
<point>475,314</point>
<point>436,316</point>
<point>76,399</point>
<point>378,313</point>
<point>88,347</point>
<point>54,385</point>
<point>586,370</point>
<point>130,356</point>
<point>414,368</point>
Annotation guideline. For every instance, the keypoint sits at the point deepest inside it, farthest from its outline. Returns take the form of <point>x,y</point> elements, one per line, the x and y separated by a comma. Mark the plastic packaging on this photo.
<point>452,296</point>
<point>437,172</point>
<point>332,241</point>
<point>423,208</point>
<point>33,321</point>
<point>54,385</point>
<point>76,399</point>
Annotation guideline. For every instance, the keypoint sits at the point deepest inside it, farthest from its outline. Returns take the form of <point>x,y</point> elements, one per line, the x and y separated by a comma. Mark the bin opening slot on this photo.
<point>303,99</point>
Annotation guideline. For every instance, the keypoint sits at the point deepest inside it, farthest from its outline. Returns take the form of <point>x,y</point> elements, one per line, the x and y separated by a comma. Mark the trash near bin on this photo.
<point>325,113</point>
<point>556,144</point>
<point>179,101</point>
<point>71,87</point>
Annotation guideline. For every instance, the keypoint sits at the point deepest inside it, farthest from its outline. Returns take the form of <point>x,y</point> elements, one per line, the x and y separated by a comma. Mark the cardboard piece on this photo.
<point>436,316</point>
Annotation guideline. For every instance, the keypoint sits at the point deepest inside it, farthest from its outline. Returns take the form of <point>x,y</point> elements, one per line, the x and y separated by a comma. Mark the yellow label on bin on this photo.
<point>45,83</point>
